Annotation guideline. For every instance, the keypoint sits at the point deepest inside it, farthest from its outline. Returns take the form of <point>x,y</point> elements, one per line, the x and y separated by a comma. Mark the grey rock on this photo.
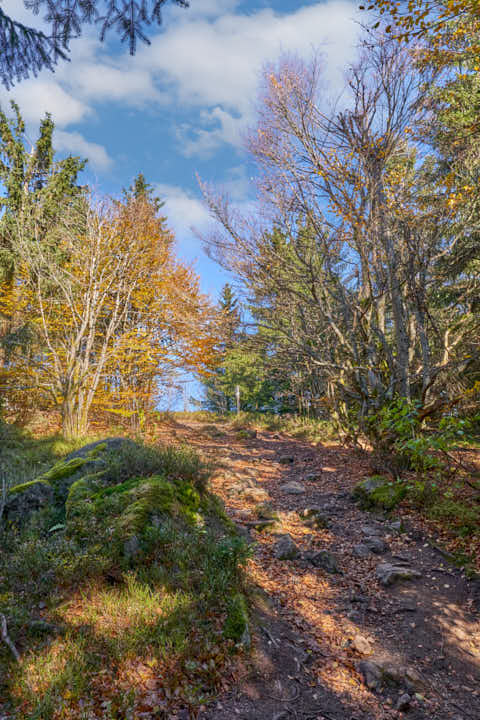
<point>19,505</point>
<point>285,548</point>
<point>113,443</point>
<point>293,488</point>
<point>314,477</point>
<point>369,530</point>
<point>286,459</point>
<point>378,672</point>
<point>396,525</point>
<point>324,560</point>
<point>372,674</point>
<point>361,551</point>
<point>403,702</point>
<point>389,574</point>
<point>376,545</point>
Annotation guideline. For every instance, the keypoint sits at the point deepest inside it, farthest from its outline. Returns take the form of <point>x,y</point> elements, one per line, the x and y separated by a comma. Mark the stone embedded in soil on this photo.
<point>403,702</point>
<point>369,530</point>
<point>361,551</point>
<point>255,494</point>
<point>372,674</point>
<point>285,548</point>
<point>314,477</point>
<point>389,574</point>
<point>286,459</point>
<point>362,645</point>
<point>293,488</point>
<point>324,560</point>
<point>379,672</point>
<point>376,545</point>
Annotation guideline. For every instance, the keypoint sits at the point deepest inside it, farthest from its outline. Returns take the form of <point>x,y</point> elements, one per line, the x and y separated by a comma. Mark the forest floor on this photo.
<point>337,645</point>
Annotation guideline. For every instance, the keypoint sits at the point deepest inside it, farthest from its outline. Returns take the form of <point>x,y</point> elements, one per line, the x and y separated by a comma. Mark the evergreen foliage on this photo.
<point>27,50</point>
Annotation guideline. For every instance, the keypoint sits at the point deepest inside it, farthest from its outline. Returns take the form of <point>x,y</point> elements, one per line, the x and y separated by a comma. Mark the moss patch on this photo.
<point>236,623</point>
<point>378,492</point>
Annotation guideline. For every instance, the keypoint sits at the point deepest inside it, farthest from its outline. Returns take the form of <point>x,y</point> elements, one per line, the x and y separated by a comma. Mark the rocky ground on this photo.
<point>358,616</point>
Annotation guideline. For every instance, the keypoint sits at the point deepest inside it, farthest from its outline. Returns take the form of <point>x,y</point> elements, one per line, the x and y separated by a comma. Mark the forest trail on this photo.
<point>321,638</point>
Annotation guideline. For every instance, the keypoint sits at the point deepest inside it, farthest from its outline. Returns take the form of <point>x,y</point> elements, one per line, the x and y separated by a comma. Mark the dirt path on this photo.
<point>339,645</point>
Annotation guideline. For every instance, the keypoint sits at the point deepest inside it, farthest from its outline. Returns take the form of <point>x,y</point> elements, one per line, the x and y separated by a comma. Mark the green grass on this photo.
<point>24,457</point>
<point>120,629</point>
<point>311,429</point>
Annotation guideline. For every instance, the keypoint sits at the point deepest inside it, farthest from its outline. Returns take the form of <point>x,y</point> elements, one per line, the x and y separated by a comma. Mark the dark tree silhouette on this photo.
<point>24,50</point>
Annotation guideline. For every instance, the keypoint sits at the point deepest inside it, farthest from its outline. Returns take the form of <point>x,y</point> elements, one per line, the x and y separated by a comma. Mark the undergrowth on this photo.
<point>124,597</point>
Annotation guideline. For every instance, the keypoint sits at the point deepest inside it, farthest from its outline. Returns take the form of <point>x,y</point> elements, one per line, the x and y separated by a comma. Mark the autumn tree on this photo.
<point>353,236</point>
<point>109,307</point>
<point>38,186</point>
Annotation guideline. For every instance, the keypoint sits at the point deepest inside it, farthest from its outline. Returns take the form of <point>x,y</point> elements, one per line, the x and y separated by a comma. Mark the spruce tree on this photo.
<point>24,50</point>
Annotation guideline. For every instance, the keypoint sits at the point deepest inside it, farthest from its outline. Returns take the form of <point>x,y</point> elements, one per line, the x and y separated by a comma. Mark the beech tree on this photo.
<point>109,308</point>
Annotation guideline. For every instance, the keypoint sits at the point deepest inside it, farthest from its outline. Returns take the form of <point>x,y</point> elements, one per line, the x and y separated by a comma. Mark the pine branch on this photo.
<point>25,51</point>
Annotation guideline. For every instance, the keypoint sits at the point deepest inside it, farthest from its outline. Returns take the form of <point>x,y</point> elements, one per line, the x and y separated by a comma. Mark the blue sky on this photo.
<point>179,107</point>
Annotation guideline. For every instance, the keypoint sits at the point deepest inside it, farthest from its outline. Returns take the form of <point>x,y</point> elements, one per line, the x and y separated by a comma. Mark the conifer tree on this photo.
<point>27,50</point>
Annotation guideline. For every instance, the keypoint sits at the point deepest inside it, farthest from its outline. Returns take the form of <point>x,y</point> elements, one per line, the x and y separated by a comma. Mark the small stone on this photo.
<point>369,530</point>
<point>314,477</point>
<point>293,488</point>
<point>403,702</point>
<point>324,560</point>
<point>361,551</point>
<point>389,574</point>
<point>396,525</point>
<point>362,645</point>
<point>285,548</point>
<point>286,459</point>
<point>354,615</point>
<point>376,545</point>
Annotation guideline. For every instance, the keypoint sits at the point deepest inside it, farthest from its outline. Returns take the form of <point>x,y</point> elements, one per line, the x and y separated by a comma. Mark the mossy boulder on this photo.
<point>379,492</point>
<point>135,508</point>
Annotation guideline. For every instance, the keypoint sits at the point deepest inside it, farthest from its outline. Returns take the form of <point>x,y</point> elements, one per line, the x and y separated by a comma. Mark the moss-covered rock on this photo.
<point>379,492</point>
<point>129,509</point>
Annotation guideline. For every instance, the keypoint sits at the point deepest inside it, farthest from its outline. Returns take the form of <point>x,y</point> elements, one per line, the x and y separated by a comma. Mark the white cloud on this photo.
<point>40,95</point>
<point>206,60</point>
<point>74,142</point>
<point>183,209</point>
<point>220,71</point>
